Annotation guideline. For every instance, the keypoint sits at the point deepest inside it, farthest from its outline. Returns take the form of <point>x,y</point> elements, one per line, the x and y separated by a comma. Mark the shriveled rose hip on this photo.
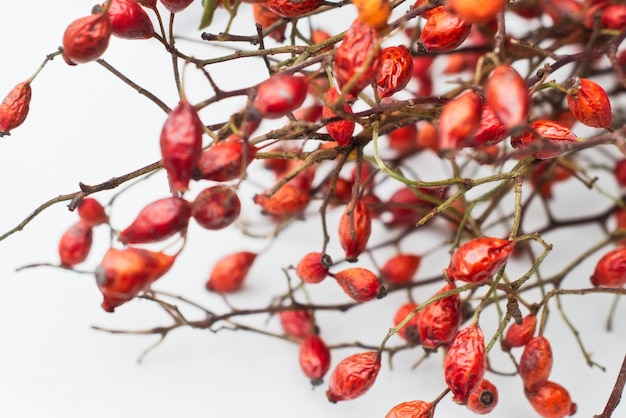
<point>464,364</point>
<point>359,283</point>
<point>409,331</point>
<point>412,409</point>
<point>314,358</point>
<point>374,13</point>
<point>444,30</point>
<point>342,130</point>
<point>535,363</point>
<point>293,8</point>
<point>459,119</point>
<point>507,95</point>
<point>313,267</point>
<point>181,144</point>
<point>400,268</point>
<point>75,244</point>
<point>439,322</point>
<point>129,20</point>
<point>519,335</point>
<point>610,270</point>
<point>91,212</point>
<point>175,6</point>
<point>468,10</point>
<point>157,221</point>
<point>355,227</point>
<point>591,105</point>
<point>86,38</point>
<point>280,94</point>
<point>297,323</point>
<point>216,207</point>
<point>479,259</point>
<point>483,399</point>
<point>553,137</point>
<point>287,201</point>
<point>14,108</point>
<point>353,376</point>
<point>230,271</point>
<point>123,274</point>
<point>226,160</point>
<point>395,71</point>
<point>490,130</point>
<point>551,400</point>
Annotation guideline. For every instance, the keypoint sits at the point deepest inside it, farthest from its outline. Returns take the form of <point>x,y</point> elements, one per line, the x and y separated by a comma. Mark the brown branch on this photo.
<point>616,393</point>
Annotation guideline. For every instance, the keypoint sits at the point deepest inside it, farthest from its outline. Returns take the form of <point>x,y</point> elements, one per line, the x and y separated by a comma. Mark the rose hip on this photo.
<point>279,95</point>
<point>266,17</point>
<point>290,8</point>
<point>551,400</point>
<point>314,358</point>
<point>409,331</point>
<point>591,104</point>
<point>467,10</point>
<point>610,270</point>
<point>359,283</point>
<point>400,268</point>
<point>479,259</point>
<point>374,13</point>
<point>464,364</point>
<point>535,364</point>
<point>395,71</point>
<point>519,335</point>
<point>157,221</point>
<point>226,160</point>
<point>553,136</point>
<point>483,399</point>
<point>444,30</point>
<point>404,139</point>
<point>341,130</point>
<point>297,323</point>
<point>507,95</point>
<point>289,200</point>
<point>355,227</point>
<point>129,20</point>
<point>439,322</point>
<point>75,244</point>
<point>313,267</point>
<point>353,376</point>
<point>490,130</point>
<point>459,119</point>
<point>412,409</point>
<point>216,207</point>
<point>86,38</point>
<point>14,108</point>
<point>230,271</point>
<point>91,212</point>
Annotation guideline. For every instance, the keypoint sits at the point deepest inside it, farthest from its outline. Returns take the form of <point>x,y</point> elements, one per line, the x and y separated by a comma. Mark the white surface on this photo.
<point>85,126</point>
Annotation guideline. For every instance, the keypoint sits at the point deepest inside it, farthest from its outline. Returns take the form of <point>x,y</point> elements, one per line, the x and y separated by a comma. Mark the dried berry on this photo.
<point>459,119</point>
<point>464,364</point>
<point>225,160</point>
<point>129,20</point>
<point>14,108</point>
<point>91,212</point>
<point>287,201</point>
<point>181,144</point>
<point>551,400</point>
<point>86,38</point>
<point>535,364</point>
<point>75,244</point>
<point>479,259</point>
<point>216,207</point>
<point>357,59</point>
<point>490,131</point>
<point>395,71</point>
<point>400,268</point>
<point>484,398</point>
<point>293,8</point>
<point>230,271</point>
<point>507,95</point>
<point>123,274</point>
<point>444,30</point>
<point>313,267</point>
<point>619,172</point>
<point>439,322</point>
<point>341,131</point>
<point>314,358</point>
<point>590,105</point>
<point>552,141</point>
<point>353,376</point>
<point>610,270</point>
<point>409,331</point>
<point>374,13</point>
<point>408,205</point>
<point>157,221</point>
<point>355,227</point>
<point>412,409</point>
<point>175,6</point>
<point>518,335</point>
<point>297,323</point>
<point>280,94</point>
<point>360,284</point>
<point>467,10</point>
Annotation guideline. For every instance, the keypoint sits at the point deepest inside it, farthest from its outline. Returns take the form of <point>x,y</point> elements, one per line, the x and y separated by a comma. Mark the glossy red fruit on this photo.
<point>314,358</point>
<point>266,17</point>
<point>216,207</point>
<point>175,6</point>
<point>123,274</point>
<point>439,322</point>
<point>313,267</point>
<point>357,59</point>
<point>75,244</point>
<point>360,284</point>
<point>551,400</point>
<point>400,268</point>
<point>14,108</point>
<point>280,94</point>
<point>181,144</point>
<point>483,399</point>
<point>459,120</point>
<point>289,200</point>
<point>297,323</point>
<point>157,221</point>
<point>535,364</point>
<point>86,38</point>
<point>409,331</point>
<point>490,130</point>
<point>443,31</point>
<point>518,335</point>
<point>226,160</point>
<point>91,212</point>
<point>342,130</point>
<point>374,13</point>
<point>412,409</point>
<point>479,259</point>
<point>464,364</point>
<point>293,8</point>
<point>507,95</point>
<point>395,71</point>
<point>553,140</point>
<point>129,20</point>
<point>591,105</point>
<point>353,376</point>
<point>610,270</point>
<point>467,10</point>
<point>355,228</point>
<point>230,271</point>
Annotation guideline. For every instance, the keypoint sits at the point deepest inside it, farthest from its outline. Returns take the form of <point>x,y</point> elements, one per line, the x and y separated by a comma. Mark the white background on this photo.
<point>86,126</point>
